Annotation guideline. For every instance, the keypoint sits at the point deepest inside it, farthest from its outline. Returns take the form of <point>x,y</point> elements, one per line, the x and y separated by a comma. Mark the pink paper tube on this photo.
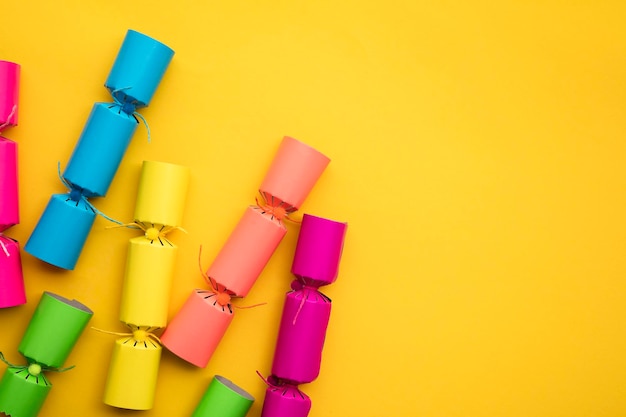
<point>293,173</point>
<point>197,329</point>
<point>285,401</point>
<point>318,251</point>
<point>9,206</point>
<point>298,353</point>
<point>12,291</point>
<point>9,93</point>
<point>246,252</point>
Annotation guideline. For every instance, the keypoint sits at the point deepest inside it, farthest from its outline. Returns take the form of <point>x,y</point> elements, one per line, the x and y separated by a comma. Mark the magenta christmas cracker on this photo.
<point>12,292</point>
<point>305,317</point>
<point>54,329</point>
<point>62,230</point>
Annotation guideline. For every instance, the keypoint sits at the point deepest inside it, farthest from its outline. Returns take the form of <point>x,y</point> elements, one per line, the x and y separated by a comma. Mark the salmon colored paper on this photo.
<point>291,176</point>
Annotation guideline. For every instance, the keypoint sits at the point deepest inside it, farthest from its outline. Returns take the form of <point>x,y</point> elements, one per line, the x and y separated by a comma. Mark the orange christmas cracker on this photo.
<point>292,174</point>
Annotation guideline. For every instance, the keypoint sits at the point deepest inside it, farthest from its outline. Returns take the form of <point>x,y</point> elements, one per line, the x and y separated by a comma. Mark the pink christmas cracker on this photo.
<point>12,292</point>
<point>305,317</point>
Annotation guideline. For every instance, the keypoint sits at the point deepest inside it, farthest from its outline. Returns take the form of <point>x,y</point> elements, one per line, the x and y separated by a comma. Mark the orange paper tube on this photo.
<point>246,252</point>
<point>197,329</point>
<point>293,173</point>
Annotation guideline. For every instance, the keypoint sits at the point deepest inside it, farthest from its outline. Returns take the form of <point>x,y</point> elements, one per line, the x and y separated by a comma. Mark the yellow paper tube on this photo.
<point>161,194</point>
<point>133,374</point>
<point>147,282</point>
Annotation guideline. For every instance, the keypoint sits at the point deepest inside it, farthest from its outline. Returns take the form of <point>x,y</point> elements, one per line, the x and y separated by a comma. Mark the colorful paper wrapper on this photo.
<point>100,149</point>
<point>9,195</point>
<point>133,372</point>
<point>9,92</point>
<point>318,251</point>
<point>12,292</point>
<point>147,282</point>
<point>162,193</point>
<point>223,399</point>
<point>195,332</point>
<point>61,232</point>
<point>285,401</point>
<point>22,394</point>
<point>303,325</point>
<point>254,239</point>
<point>54,329</point>
<point>138,69</point>
<point>293,172</point>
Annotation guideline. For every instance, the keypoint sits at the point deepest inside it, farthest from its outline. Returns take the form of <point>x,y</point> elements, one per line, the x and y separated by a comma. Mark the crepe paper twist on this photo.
<point>52,333</point>
<point>136,73</point>
<point>133,371</point>
<point>223,398</point>
<point>305,317</point>
<point>12,291</point>
<point>197,328</point>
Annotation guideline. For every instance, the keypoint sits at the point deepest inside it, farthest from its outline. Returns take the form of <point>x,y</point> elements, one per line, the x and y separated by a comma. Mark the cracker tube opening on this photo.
<point>294,171</point>
<point>138,69</point>
<point>223,398</point>
<point>133,373</point>
<point>195,332</point>
<point>61,232</point>
<point>9,193</point>
<point>54,329</point>
<point>10,92</point>
<point>12,291</point>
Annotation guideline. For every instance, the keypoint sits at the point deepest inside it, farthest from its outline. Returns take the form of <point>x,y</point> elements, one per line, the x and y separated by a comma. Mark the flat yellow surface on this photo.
<point>478,154</point>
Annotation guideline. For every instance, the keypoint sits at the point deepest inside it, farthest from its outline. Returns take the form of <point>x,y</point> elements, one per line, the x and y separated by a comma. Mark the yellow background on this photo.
<point>477,151</point>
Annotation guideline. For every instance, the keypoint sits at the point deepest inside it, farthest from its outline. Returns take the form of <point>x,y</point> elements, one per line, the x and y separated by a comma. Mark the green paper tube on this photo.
<point>223,399</point>
<point>56,325</point>
<point>22,394</point>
